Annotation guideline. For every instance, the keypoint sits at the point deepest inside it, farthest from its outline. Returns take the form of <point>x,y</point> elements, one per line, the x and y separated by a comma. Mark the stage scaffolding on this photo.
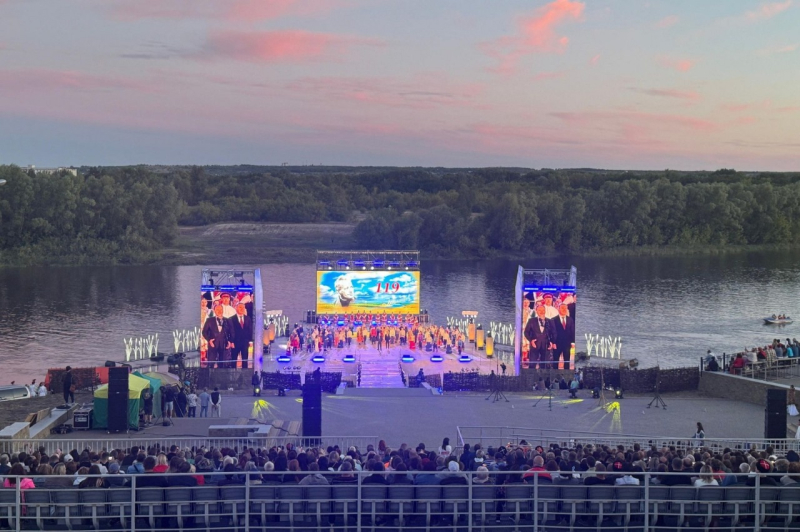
<point>367,260</point>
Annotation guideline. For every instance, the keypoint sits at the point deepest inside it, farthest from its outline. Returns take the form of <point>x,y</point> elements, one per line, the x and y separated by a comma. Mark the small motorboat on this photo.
<point>774,320</point>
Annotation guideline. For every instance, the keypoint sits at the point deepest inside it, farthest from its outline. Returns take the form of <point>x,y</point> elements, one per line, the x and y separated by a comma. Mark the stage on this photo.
<point>381,369</point>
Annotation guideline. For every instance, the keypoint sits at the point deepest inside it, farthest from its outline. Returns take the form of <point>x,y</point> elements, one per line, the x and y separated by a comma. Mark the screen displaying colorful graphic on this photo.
<point>548,324</point>
<point>367,292</point>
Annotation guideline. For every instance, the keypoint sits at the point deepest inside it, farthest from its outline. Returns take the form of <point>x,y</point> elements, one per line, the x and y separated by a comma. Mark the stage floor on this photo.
<point>381,369</point>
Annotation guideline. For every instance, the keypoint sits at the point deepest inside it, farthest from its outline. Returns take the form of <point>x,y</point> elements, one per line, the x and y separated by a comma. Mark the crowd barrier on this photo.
<point>258,506</point>
<point>499,436</point>
<point>259,441</point>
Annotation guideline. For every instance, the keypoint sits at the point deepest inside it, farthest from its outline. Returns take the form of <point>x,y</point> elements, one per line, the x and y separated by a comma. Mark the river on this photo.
<point>667,310</point>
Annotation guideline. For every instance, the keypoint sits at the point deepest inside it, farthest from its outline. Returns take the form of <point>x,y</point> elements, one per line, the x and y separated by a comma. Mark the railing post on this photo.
<point>246,503</point>
<point>757,523</point>
<point>647,502</point>
<point>469,499</point>
<point>18,509</point>
<point>358,503</point>
<point>133,503</point>
<point>536,501</point>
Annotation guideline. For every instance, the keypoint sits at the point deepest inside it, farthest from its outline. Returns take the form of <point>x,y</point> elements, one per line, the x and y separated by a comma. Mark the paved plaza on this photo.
<point>415,415</point>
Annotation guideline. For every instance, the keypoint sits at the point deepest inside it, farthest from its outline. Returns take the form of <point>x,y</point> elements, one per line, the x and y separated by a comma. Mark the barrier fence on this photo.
<point>271,501</point>
<point>500,436</point>
<point>262,441</point>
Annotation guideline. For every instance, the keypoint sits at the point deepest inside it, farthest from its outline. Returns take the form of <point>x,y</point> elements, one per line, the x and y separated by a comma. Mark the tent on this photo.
<point>166,379</point>
<point>136,385</point>
<point>155,388</point>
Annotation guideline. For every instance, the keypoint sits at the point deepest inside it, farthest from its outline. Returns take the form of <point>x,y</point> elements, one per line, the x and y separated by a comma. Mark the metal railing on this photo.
<point>260,441</point>
<point>257,501</point>
<point>501,436</point>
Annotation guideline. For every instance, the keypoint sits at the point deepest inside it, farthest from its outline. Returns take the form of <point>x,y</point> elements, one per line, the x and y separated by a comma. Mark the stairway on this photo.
<point>381,373</point>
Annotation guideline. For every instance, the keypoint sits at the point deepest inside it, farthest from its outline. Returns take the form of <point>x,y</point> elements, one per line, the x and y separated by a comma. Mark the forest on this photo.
<point>130,214</point>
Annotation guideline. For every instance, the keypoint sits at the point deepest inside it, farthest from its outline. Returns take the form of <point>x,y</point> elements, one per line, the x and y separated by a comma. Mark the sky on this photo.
<point>622,84</point>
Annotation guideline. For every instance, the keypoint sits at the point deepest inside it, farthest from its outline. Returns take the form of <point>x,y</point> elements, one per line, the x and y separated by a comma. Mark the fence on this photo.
<point>253,440</point>
<point>500,436</point>
<point>264,501</point>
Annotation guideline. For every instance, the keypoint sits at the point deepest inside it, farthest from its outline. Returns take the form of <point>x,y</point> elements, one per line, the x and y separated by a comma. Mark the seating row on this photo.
<point>574,506</point>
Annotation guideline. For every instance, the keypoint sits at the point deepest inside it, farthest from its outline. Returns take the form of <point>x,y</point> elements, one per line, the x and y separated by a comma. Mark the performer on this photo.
<point>550,311</point>
<point>242,327</point>
<point>227,310</point>
<point>219,335</point>
<point>565,335</point>
<point>541,333</point>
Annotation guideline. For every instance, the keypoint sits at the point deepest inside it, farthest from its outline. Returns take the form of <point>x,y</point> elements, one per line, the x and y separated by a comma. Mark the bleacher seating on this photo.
<point>480,506</point>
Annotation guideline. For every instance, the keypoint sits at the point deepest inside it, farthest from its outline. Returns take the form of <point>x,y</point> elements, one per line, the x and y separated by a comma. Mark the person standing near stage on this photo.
<point>219,335</point>
<point>192,401</point>
<point>242,327</point>
<point>216,403</point>
<point>69,391</point>
<point>205,399</point>
<point>540,333</point>
<point>565,335</point>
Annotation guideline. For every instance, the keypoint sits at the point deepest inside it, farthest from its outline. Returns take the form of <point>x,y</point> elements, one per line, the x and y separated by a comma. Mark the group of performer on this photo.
<point>227,335</point>
<point>321,337</point>
<point>549,321</point>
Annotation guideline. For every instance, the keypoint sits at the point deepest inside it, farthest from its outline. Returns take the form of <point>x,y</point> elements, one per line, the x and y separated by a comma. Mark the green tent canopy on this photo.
<point>155,387</point>
<point>136,385</point>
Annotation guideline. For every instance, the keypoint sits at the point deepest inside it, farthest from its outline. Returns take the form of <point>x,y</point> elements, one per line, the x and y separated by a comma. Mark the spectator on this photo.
<point>315,478</point>
<point>137,467</point>
<point>230,479</point>
<point>455,477</point>
<point>346,475</point>
<point>97,481</point>
<point>192,402</point>
<point>216,403</point>
<point>114,478</point>
<point>161,464</point>
<point>706,478</point>
<point>445,450</point>
<point>205,399</point>
<point>377,476</point>
<point>482,476</point>
<point>599,478</point>
<point>150,478</point>
<point>428,475</point>
<point>184,480</point>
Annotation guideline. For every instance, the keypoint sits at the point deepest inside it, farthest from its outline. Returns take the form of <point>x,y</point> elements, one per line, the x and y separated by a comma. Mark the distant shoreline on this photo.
<point>298,242</point>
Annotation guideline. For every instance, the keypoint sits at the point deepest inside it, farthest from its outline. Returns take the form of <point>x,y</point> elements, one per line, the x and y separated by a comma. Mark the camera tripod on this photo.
<point>657,399</point>
<point>549,392</point>
<point>497,393</point>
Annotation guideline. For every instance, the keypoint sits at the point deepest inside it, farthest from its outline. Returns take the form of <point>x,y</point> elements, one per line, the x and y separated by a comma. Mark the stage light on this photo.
<point>465,358</point>
<point>318,359</point>
<point>389,268</point>
<point>349,357</point>
<point>372,267</point>
<point>618,393</point>
<point>284,358</point>
<point>437,358</point>
<point>407,358</point>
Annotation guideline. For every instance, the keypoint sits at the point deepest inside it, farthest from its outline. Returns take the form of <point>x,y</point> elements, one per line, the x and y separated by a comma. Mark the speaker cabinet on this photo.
<point>312,409</point>
<point>117,399</point>
<point>776,401</point>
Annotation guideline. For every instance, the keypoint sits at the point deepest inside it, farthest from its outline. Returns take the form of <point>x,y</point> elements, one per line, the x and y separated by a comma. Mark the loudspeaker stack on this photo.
<point>117,399</point>
<point>312,409</point>
<point>775,414</point>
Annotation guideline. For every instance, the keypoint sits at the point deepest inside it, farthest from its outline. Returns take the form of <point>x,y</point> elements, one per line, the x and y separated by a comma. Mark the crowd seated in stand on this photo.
<point>577,486</point>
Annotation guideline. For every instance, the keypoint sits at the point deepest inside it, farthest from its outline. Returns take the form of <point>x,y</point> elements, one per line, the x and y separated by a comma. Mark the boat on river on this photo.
<point>778,321</point>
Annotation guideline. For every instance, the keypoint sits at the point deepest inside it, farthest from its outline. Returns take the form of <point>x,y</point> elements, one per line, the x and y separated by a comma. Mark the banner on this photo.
<point>368,292</point>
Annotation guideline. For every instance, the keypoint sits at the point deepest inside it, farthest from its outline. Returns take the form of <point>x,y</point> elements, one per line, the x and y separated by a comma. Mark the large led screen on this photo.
<point>548,324</point>
<point>226,322</point>
<point>367,292</point>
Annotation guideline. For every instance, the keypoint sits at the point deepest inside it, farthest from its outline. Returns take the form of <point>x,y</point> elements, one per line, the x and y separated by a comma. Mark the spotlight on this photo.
<point>257,391</point>
<point>596,393</point>
<point>284,358</point>
<point>349,357</point>
<point>407,358</point>
<point>318,359</point>
<point>437,358</point>
<point>465,358</point>
<point>618,393</point>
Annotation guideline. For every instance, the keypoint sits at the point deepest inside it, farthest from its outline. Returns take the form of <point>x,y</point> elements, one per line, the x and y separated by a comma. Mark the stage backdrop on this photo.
<point>356,292</point>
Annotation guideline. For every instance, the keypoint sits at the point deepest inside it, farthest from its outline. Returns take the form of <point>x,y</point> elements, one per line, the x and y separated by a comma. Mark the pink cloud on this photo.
<point>594,60</point>
<point>543,76</point>
<point>681,65</point>
<point>423,92</point>
<point>290,46</point>
<point>768,10</point>
<point>239,10</point>
<point>667,22</point>
<point>779,49</point>
<point>536,34</point>
<point>669,93</point>
<point>637,117</point>
<point>40,79</point>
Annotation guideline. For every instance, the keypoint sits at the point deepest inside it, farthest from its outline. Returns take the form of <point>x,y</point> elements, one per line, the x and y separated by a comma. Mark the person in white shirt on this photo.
<point>191,401</point>
<point>706,478</point>
<point>42,390</point>
<point>445,450</point>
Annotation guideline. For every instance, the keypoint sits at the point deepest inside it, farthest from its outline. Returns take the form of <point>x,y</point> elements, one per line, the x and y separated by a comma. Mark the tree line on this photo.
<point>128,214</point>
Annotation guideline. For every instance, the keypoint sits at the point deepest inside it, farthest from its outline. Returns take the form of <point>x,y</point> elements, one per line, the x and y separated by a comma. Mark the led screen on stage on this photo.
<point>367,292</point>
<point>548,324</point>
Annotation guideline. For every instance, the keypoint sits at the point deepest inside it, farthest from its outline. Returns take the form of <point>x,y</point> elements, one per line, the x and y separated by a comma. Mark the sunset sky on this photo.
<point>633,84</point>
